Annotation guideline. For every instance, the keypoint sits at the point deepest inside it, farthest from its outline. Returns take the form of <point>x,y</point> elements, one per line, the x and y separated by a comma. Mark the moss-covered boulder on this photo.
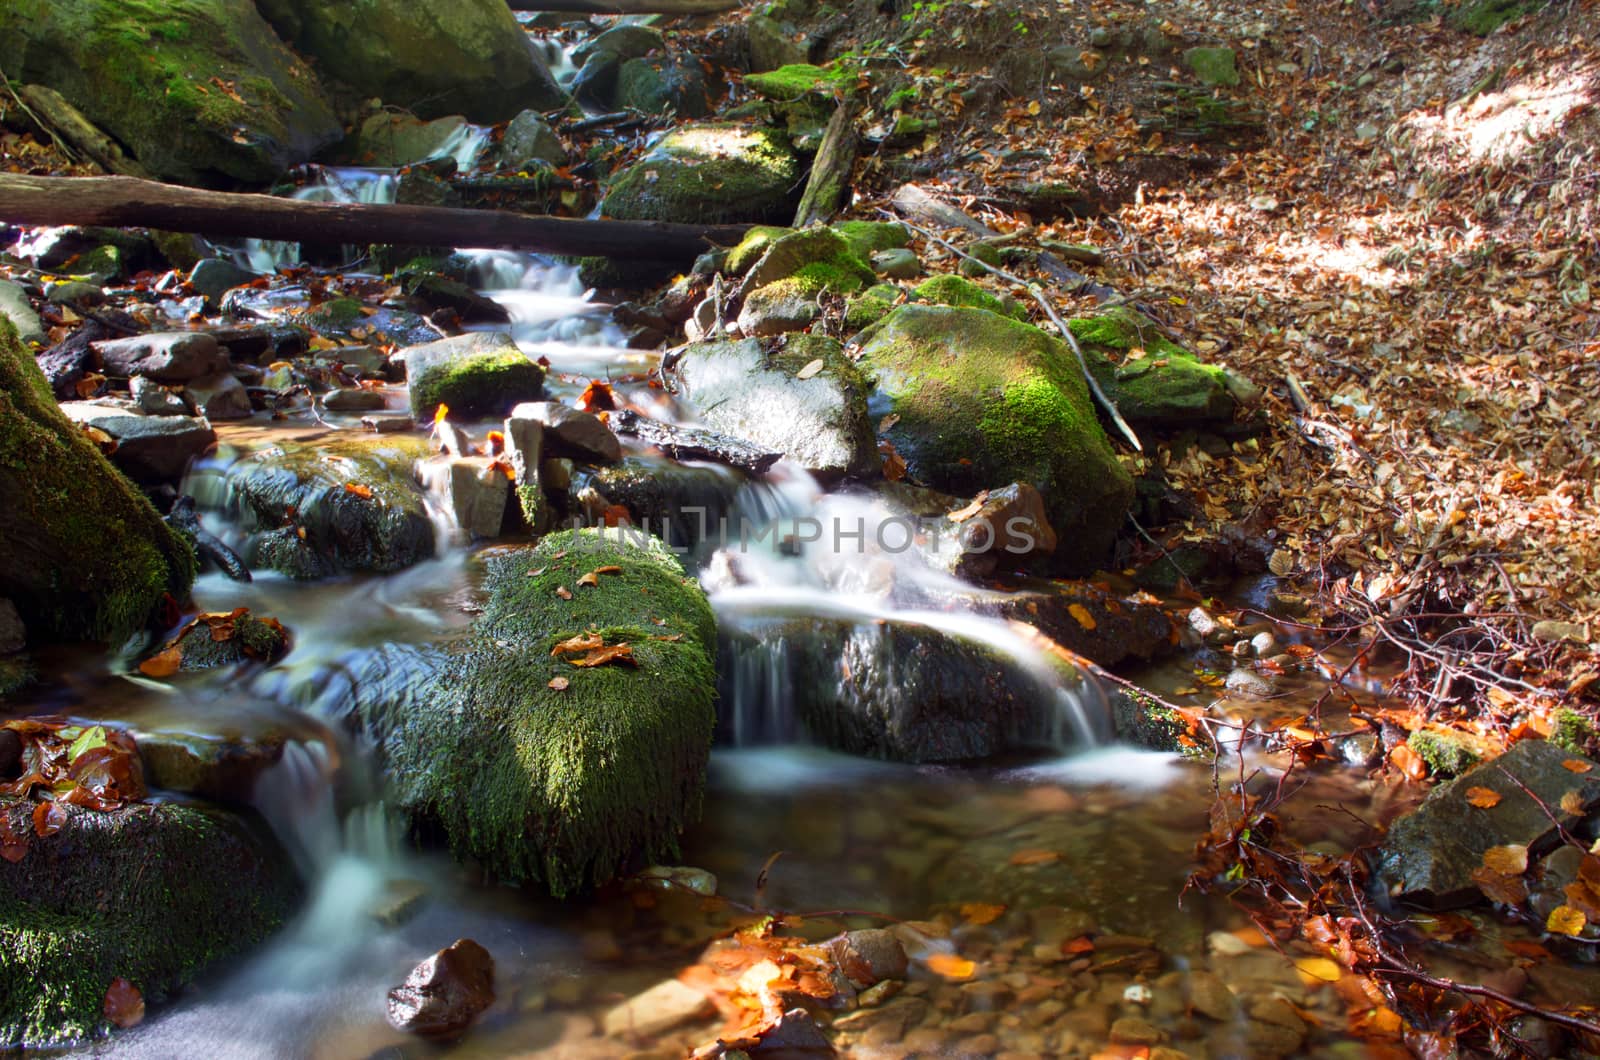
<point>798,394</point>
<point>683,504</point>
<point>200,91</point>
<point>787,84</point>
<point>322,507</point>
<point>82,552</point>
<point>748,251</point>
<point>982,400</point>
<point>868,237</point>
<point>709,173</point>
<point>1152,380</point>
<point>950,289</point>
<point>664,84</point>
<point>542,769</point>
<point>148,893</point>
<point>819,257</point>
<point>433,57</point>
<point>487,381</point>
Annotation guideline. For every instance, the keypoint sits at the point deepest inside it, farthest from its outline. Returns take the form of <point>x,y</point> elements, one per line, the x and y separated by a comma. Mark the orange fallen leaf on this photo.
<point>364,492</point>
<point>48,817</point>
<point>1565,920</point>
<point>1576,765</point>
<point>163,664</point>
<point>1572,803</point>
<point>1508,860</point>
<point>618,653</point>
<point>592,579</point>
<point>1408,761</point>
<point>13,844</point>
<point>961,515</point>
<point>582,642</point>
<point>1483,798</point>
<point>1035,857</point>
<point>559,684</point>
<point>123,1004</point>
<point>981,912</point>
<point>1507,890</point>
<point>1081,615</point>
<point>1318,969</point>
<point>951,966</point>
<point>563,592</point>
<point>1081,944</point>
<point>894,465</point>
<point>597,396</point>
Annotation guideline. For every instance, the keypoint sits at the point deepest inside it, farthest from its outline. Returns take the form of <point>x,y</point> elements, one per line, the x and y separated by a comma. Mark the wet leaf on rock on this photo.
<point>894,465</point>
<point>164,663</point>
<point>1035,857</point>
<point>1510,859</point>
<point>616,653</point>
<point>961,515</point>
<point>1483,798</point>
<point>1497,887</point>
<point>1576,765</point>
<point>1573,803</point>
<point>1565,920</point>
<point>811,369</point>
<point>364,492</point>
<point>581,643</point>
<point>123,1005</point>
<point>48,817</point>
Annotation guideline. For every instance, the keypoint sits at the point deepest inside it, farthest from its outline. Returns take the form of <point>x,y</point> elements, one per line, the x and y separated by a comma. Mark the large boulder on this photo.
<point>84,554</point>
<point>980,400</point>
<point>148,893</point>
<point>151,450</point>
<point>476,375</point>
<point>799,394</point>
<point>200,91</point>
<point>433,57</point>
<point>1152,380</point>
<point>708,174</point>
<point>537,767</point>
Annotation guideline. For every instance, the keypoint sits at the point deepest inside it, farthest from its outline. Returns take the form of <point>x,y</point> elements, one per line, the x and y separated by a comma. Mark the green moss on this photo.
<point>1163,387</point>
<point>709,173</point>
<point>986,254</point>
<point>868,237</point>
<point>567,787</point>
<point>788,84</point>
<point>339,314</point>
<point>949,289</point>
<point>252,639</point>
<point>1573,731</point>
<point>900,98</point>
<point>867,310</point>
<point>1213,66</point>
<point>816,258</point>
<point>1446,755</point>
<point>1140,720</point>
<point>150,893</point>
<point>89,556</point>
<point>478,385</point>
<point>752,246</point>
<point>1483,17</point>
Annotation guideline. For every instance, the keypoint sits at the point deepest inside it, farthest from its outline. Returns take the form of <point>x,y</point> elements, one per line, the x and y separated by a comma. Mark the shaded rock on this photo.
<point>62,942</point>
<point>569,431</point>
<point>224,769</point>
<point>392,140</point>
<point>215,277</point>
<point>1213,66</point>
<point>869,956</point>
<point>1162,386</point>
<point>239,638</point>
<point>13,635</point>
<point>468,57</point>
<point>349,320</point>
<point>664,1006</point>
<point>432,291</point>
<point>165,356</point>
<point>137,72</point>
<point>445,993</point>
<point>151,450</point>
<point>769,45</point>
<point>1430,854</point>
<point>899,263</point>
<point>79,293</point>
<point>674,84</point>
<point>220,397</point>
<point>625,41</point>
<point>681,504</point>
<point>529,140</point>
<point>755,390</point>
<point>352,399</point>
<point>980,400</point>
<point>477,375</point>
<point>708,173</point>
<point>153,399</point>
<point>15,307</point>
<point>1086,618</point>
<point>474,490</point>
<point>10,755</point>
<point>1008,531</point>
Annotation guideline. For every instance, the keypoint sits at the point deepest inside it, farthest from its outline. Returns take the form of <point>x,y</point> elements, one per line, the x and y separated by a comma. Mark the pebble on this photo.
<point>1263,644</point>
<point>1248,682</point>
<point>1133,1031</point>
<point>1137,994</point>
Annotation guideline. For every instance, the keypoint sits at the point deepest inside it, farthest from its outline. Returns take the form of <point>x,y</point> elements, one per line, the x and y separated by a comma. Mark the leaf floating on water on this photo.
<point>1497,887</point>
<point>123,1005</point>
<point>1483,798</point>
<point>563,592</point>
<point>951,966</point>
<point>1529,950</point>
<point>582,642</point>
<point>1318,969</point>
<point>1508,860</point>
<point>364,492</point>
<point>1081,615</point>
<point>1576,765</point>
<point>163,664</point>
<point>981,912</point>
<point>1035,857</point>
<point>559,684</point>
<point>1565,920</point>
<point>616,653</point>
<point>811,369</point>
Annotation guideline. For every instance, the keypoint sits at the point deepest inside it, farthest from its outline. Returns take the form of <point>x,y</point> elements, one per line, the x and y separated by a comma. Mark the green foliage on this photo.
<point>1573,731</point>
<point>1447,755</point>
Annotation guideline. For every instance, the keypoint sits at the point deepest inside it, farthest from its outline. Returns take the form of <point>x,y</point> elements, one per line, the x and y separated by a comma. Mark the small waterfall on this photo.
<point>349,184</point>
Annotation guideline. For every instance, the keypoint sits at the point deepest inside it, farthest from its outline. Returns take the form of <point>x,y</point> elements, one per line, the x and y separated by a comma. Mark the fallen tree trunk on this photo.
<point>627,7</point>
<point>830,173</point>
<point>124,202</point>
<point>51,109</point>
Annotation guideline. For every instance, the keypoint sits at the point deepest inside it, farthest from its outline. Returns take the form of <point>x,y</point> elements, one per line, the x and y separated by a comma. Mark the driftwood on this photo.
<point>627,7</point>
<point>830,173</point>
<point>124,202</point>
<point>693,443</point>
<point>51,109</point>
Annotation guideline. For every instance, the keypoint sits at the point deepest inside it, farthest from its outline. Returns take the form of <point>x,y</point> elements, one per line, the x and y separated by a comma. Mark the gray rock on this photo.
<point>13,635</point>
<point>627,41</point>
<point>770,45</point>
<point>472,489</point>
<point>679,503</point>
<point>74,292</point>
<point>352,399</point>
<point>1007,532</point>
<point>445,993</point>
<point>776,310</point>
<point>223,769</point>
<point>165,356</point>
<point>1431,853</point>
<point>220,397</point>
<point>525,452</point>
<point>564,427</point>
<point>477,374</point>
<point>151,450</point>
<point>153,399</point>
<point>215,277</point>
<point>754,390</point>
<point>529,139</point>
<point>14,306</point>
<point>897,263</point>
<point>391,140</point>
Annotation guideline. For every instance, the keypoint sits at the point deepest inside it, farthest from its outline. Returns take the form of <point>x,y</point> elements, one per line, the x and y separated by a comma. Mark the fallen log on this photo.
<point>693,443</point>
<point>830,173</point>
<point>628,7</point>
<point>51,109</point>
<point>125,202</point>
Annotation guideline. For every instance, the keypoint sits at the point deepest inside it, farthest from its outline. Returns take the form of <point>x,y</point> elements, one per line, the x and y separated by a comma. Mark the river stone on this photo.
<point>1430,854</point>
<point>220,889</point>
<point>1120,626</point>
<point>220,397</point>
<point>529,140</point>
<point>819,256</point>
<point>754,389</point>
<point>87,556</point>
<point>897,263</point>
<point>674,84</point>
<point>153,399</point>
<point>659,1009</point>
<point>390,140</point>
<point>352,399</point>
<point>708,173</point>
<point>477,375</point>
<point>870,956</point>
<point>15,307</point>
<point>568,431</point>
<point>355,505</point>
<point>626,41</point>
<point>433,57</point>
<point>165,356</point>
<point>570,785</point>
<point>1164,386</point>
<point>78,293</point>
<point>224,769</point>
<point>13,635</point>
<point>683,504</point>
<point>769,45</point>
<point>473,489</point>
<point>348,320</point>
<point>445,993</point>
<point>149,75</point>
<point>151,450</point>
<point>982,400</point>
<point>1008,531</point>
<point>215,277</point>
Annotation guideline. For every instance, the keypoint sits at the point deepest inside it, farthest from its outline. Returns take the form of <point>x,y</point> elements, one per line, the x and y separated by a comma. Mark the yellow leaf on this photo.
<point>981,912</point>
<point>1082,615</point>
<point>1034,108</point>
<point>1483,798</point>
<point>1576,765</point>
<point>1318,970</point>
<point>1565,920</point>
<point>1508,860</point>
<point>951,966</point>
<point>1572,803</point>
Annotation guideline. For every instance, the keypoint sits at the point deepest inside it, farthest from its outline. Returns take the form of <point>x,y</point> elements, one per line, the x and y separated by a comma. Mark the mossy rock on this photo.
<point>818,257</point>
<point>353,321</point>
<point>1166,386</point>
<point>751,247</point>
<point>85,556</point>
<point>1483,17</point>
<point>149,73</point>
<point>467,57</point>
<point>149,893</point>
<point>871,306</point>
<point>564,786</point>
<point>984,400</point>
<point>1217,67</point>
<point>789,84</point>
<point>476,386</point>
<point>950,289</point>
<point>683,504</point>
<point>868,237</point>
<point>981,254</point>
<point>1573,731</point>
<point>709,173</point>
<point>1446,754</point>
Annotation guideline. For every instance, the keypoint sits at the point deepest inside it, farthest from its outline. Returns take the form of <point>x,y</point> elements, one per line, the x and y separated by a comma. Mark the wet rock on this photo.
<point>13,635</point>
<point>708,174</point>
<point>400,901</point>
<point>794,1036</point>
<point>1130,1030</point>
<point>153,399</point>
<point>224,769</point>
<point>800,395</point>
<point>474,490</point>
<point>869,956</point>
<point>624,41</point>
<point>220,397</point>
<point>78,293</point>
<point>671,84</point>
<point>392,140</point>
<point>15,307</point>
<point>241,638</point>
<point>352,399</point>
<point>477,375</point>
<point>236,890</point>
<point>1249,683</point>
<point>1009,531</point>
<point>683,505</point>
<point>529,140</point>
<point>350,321</point>
<point>1210,996</point>
<point>1430,854</point>
<point>165,356</point>
<point>215,277</point>
<point>432,291</point>
<point>571,431</point>
<point>1119,628</point>
<point>445,993</point>
<point>664,1006</point>
<point>1005,382</point>
<point>679,877</point>
<point>151,450</point>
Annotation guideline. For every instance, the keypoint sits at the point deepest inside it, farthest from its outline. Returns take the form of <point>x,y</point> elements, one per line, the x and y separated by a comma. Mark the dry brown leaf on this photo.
<point>1572,803</point>
<point>981,913</point>
<point>592,579</point>
<point>811,369</point>
<point>559,684</point>
<point>961,515</point>
<point>616,653</point>
<point>164,663</point>
<point>1507,890</point>
<point>1035,857</point>
<point>1576,765</point>
<point>563,592</point>
<point>1508,860</point>
<point>123,1004</point>
<point>582,642</point>
<point>1483,798</point>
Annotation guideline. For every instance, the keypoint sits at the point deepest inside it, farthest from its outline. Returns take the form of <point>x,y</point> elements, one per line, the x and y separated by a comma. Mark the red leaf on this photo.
<point>123,1005</point>
<point>48,817</point>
